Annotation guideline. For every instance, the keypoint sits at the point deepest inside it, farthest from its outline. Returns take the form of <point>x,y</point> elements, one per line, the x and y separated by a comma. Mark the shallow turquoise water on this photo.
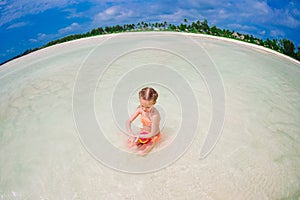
<point>44,155</point>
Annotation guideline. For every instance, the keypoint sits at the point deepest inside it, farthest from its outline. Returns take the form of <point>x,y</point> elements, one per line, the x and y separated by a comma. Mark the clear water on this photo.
<point>257,156</point>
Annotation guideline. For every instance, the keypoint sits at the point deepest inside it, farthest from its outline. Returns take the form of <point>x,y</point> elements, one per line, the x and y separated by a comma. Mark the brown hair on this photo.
<point>148,94</point>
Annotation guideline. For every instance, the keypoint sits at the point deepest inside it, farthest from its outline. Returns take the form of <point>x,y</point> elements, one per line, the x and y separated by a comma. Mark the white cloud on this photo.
<point>285,18</point>
<point>32,40</point>
<point>11,50</point>
<point>73,13</point>
<point>40,38</point>
<point>260,13</point>
<point>241,27</point>
<point>201,4</point>
<point>17,25</point>
<point>179,15</point>
<point>251,11</point>
<point>74,26</point>
<point>223,13</point>
<point>3,2</point>
<point>17,9</point>
<point>261,8</point>
<point>114,13</point>
<point>277,33</point>
<point>296,12</point>
<point>7,52</point>
<point>262,32</point>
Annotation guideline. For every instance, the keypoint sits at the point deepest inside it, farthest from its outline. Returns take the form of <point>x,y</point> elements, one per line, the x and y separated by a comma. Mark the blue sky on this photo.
<point>26,24</point>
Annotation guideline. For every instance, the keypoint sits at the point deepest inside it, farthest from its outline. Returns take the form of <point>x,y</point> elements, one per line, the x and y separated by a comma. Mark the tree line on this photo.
<point>284,45</point>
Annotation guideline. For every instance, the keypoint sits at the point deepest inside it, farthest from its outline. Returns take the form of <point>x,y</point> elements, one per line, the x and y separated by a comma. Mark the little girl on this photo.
<point>150,119</point>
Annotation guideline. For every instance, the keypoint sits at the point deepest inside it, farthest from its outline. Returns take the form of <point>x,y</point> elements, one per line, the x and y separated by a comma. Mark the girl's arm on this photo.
<point>155,125</point>
<point>131,119</point>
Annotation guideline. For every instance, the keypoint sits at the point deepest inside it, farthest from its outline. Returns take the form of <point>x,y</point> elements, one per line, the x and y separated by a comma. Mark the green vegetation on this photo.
<point>284,46</point>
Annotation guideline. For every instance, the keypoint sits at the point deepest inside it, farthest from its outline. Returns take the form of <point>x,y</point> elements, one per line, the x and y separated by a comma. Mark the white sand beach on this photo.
<point>63,111</point>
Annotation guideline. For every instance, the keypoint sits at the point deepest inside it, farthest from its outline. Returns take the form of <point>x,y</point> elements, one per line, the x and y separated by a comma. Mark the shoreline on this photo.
<point>246,44</point>
<point>230,40</point>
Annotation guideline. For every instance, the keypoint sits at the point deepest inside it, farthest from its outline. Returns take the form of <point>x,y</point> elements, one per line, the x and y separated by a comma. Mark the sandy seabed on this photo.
<point>257,156</point>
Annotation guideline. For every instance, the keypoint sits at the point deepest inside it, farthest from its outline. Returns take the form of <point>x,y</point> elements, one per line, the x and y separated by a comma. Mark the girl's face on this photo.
<point>146,105</point>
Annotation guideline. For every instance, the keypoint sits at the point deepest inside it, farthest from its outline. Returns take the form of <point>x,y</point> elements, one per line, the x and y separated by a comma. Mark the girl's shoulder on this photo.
<point>139,109</point>
<point>155,112</point>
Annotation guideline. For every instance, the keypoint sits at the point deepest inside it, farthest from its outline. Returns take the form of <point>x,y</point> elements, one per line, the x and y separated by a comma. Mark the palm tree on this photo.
<point>165,24</point>
<point>288,47</point>
<point>298,54</point>
<point>205,26</point>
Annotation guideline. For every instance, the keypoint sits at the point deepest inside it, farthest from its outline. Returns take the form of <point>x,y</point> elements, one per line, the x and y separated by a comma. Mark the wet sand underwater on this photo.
<point>44,154</point>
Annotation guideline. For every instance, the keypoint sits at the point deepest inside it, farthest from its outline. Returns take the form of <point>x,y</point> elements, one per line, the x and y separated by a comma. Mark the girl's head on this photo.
<point>148,97</point>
